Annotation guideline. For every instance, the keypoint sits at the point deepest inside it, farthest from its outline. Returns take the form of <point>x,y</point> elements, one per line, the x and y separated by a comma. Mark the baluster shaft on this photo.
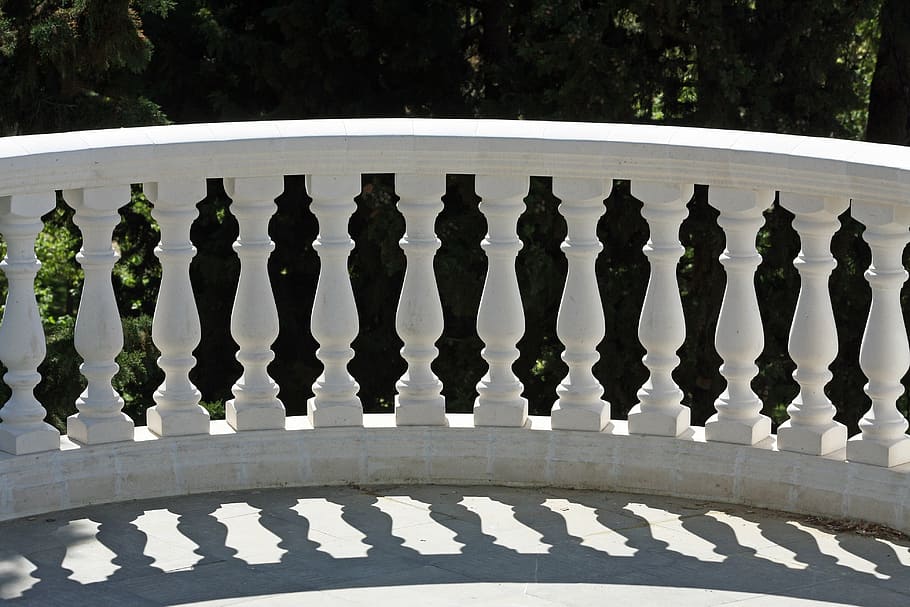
<point>419,318</point>
<point>739,337</point>
<point>662,327</point>
<point>580,324</point>
<point>500,319</point>
<point>813,336</point>
<point>98,333</point>
<point>884,355</point>
<point>22,346</point>
<point>334,321</point>
<point>175,328</point>
<point>254,318</point>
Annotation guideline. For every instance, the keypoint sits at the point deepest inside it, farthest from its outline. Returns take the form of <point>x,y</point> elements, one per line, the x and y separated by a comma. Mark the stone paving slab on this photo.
<point>442,545</point>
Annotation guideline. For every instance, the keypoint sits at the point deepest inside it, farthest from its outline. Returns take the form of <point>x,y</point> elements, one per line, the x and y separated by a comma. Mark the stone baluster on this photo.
<point>254,318</point>
<point>500,319</point>
<point>662,327</point>
<point>98,332</point>
<point>22,346</point>
<point>739,337</point>
<point>813,335</point>
<point>334,321</point>
<point>580,323</point>
<point>884,355</point>
<point>419,317</point>
<point>175,328</point>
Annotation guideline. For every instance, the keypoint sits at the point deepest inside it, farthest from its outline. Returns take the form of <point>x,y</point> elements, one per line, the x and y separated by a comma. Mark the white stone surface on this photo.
<point>662,327</point>
<point>380,453</point>
<point>419,319</point>
<point>580,323</point>
<point>99,332</point>
<point>254,318</point>
<point>176,331</point>
<point>500,318</point>
<point>22,346</point>
<point>334,322</point>
<point>739,337</point>
<point>813,335</point>
<point>885,353</point>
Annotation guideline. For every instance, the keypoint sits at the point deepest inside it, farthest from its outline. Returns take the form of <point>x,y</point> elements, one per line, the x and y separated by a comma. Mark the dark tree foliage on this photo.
<point>774,65</point>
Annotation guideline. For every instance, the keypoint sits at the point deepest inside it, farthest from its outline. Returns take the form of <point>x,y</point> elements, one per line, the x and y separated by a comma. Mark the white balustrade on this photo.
<point>885,354</point>
<point>22,347</point>
<point>334,322</point>
<point>580,323</point>
<point>98,332</point>
<point>739,338</point>
<point>662,327</point>
<point>500,318</point>
<point>254,318</point>
<point>813,336</point>
<point>175,327</point>
<point>419,319</point>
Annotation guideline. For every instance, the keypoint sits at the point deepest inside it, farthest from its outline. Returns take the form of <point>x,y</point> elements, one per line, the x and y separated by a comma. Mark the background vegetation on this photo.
<point>817,67</point>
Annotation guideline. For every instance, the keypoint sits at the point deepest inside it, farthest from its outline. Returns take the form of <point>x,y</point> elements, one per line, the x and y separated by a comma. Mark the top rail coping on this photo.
<point>809,165</point>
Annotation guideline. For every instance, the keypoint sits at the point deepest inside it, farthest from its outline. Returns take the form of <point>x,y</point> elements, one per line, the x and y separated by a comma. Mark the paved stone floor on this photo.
<point>436,545</point>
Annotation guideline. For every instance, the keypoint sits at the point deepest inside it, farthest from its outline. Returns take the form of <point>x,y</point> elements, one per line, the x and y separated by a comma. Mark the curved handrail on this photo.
<point>827,167</point>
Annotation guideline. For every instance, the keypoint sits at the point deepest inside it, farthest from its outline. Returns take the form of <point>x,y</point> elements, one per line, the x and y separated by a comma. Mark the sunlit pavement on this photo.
<point>441,545</point>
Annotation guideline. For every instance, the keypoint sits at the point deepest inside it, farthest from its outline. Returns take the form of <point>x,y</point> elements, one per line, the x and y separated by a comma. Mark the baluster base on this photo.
<point>739,432</point>
<point>502,414</point>
<point>100,430</point>
<point>421,413</point>
<point>269,416</point>
<point>887,455</point>
<point>334,414</point>
<point>811,440</point>
<point>673,422</point>
<point>177,423</point>
<point>31,439</point>
<point>592,418</point>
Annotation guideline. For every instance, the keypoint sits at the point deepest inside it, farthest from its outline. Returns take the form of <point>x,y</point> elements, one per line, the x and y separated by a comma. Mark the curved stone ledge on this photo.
<point>381,453</point>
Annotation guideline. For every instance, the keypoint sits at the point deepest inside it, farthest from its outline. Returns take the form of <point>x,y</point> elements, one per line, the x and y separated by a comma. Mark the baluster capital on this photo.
<point>98,200</point>
<point>813,205</point>
<point>26,206</point>
<point>168,194</point>
<point>254,189</point>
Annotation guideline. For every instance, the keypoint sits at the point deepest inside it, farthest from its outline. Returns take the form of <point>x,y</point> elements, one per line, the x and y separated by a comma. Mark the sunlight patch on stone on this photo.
<point>15,576</point>
<point>412,521</point>
<point>166,544</point>
<point>254,543</point>
<point>88,559</point>
<point>498,520</point>
<point>581,522</point>
<point>334,535</point>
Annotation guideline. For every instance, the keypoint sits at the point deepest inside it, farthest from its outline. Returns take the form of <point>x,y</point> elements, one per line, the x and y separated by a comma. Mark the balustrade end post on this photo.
<point>178,423</point>
<point>667,422</point>
<point>335,415</point>
<point>813,440</point>
<point>591,418</point>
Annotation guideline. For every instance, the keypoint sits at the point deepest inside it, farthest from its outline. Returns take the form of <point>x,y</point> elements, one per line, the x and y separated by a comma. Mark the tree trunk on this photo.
<point>889,98</point>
